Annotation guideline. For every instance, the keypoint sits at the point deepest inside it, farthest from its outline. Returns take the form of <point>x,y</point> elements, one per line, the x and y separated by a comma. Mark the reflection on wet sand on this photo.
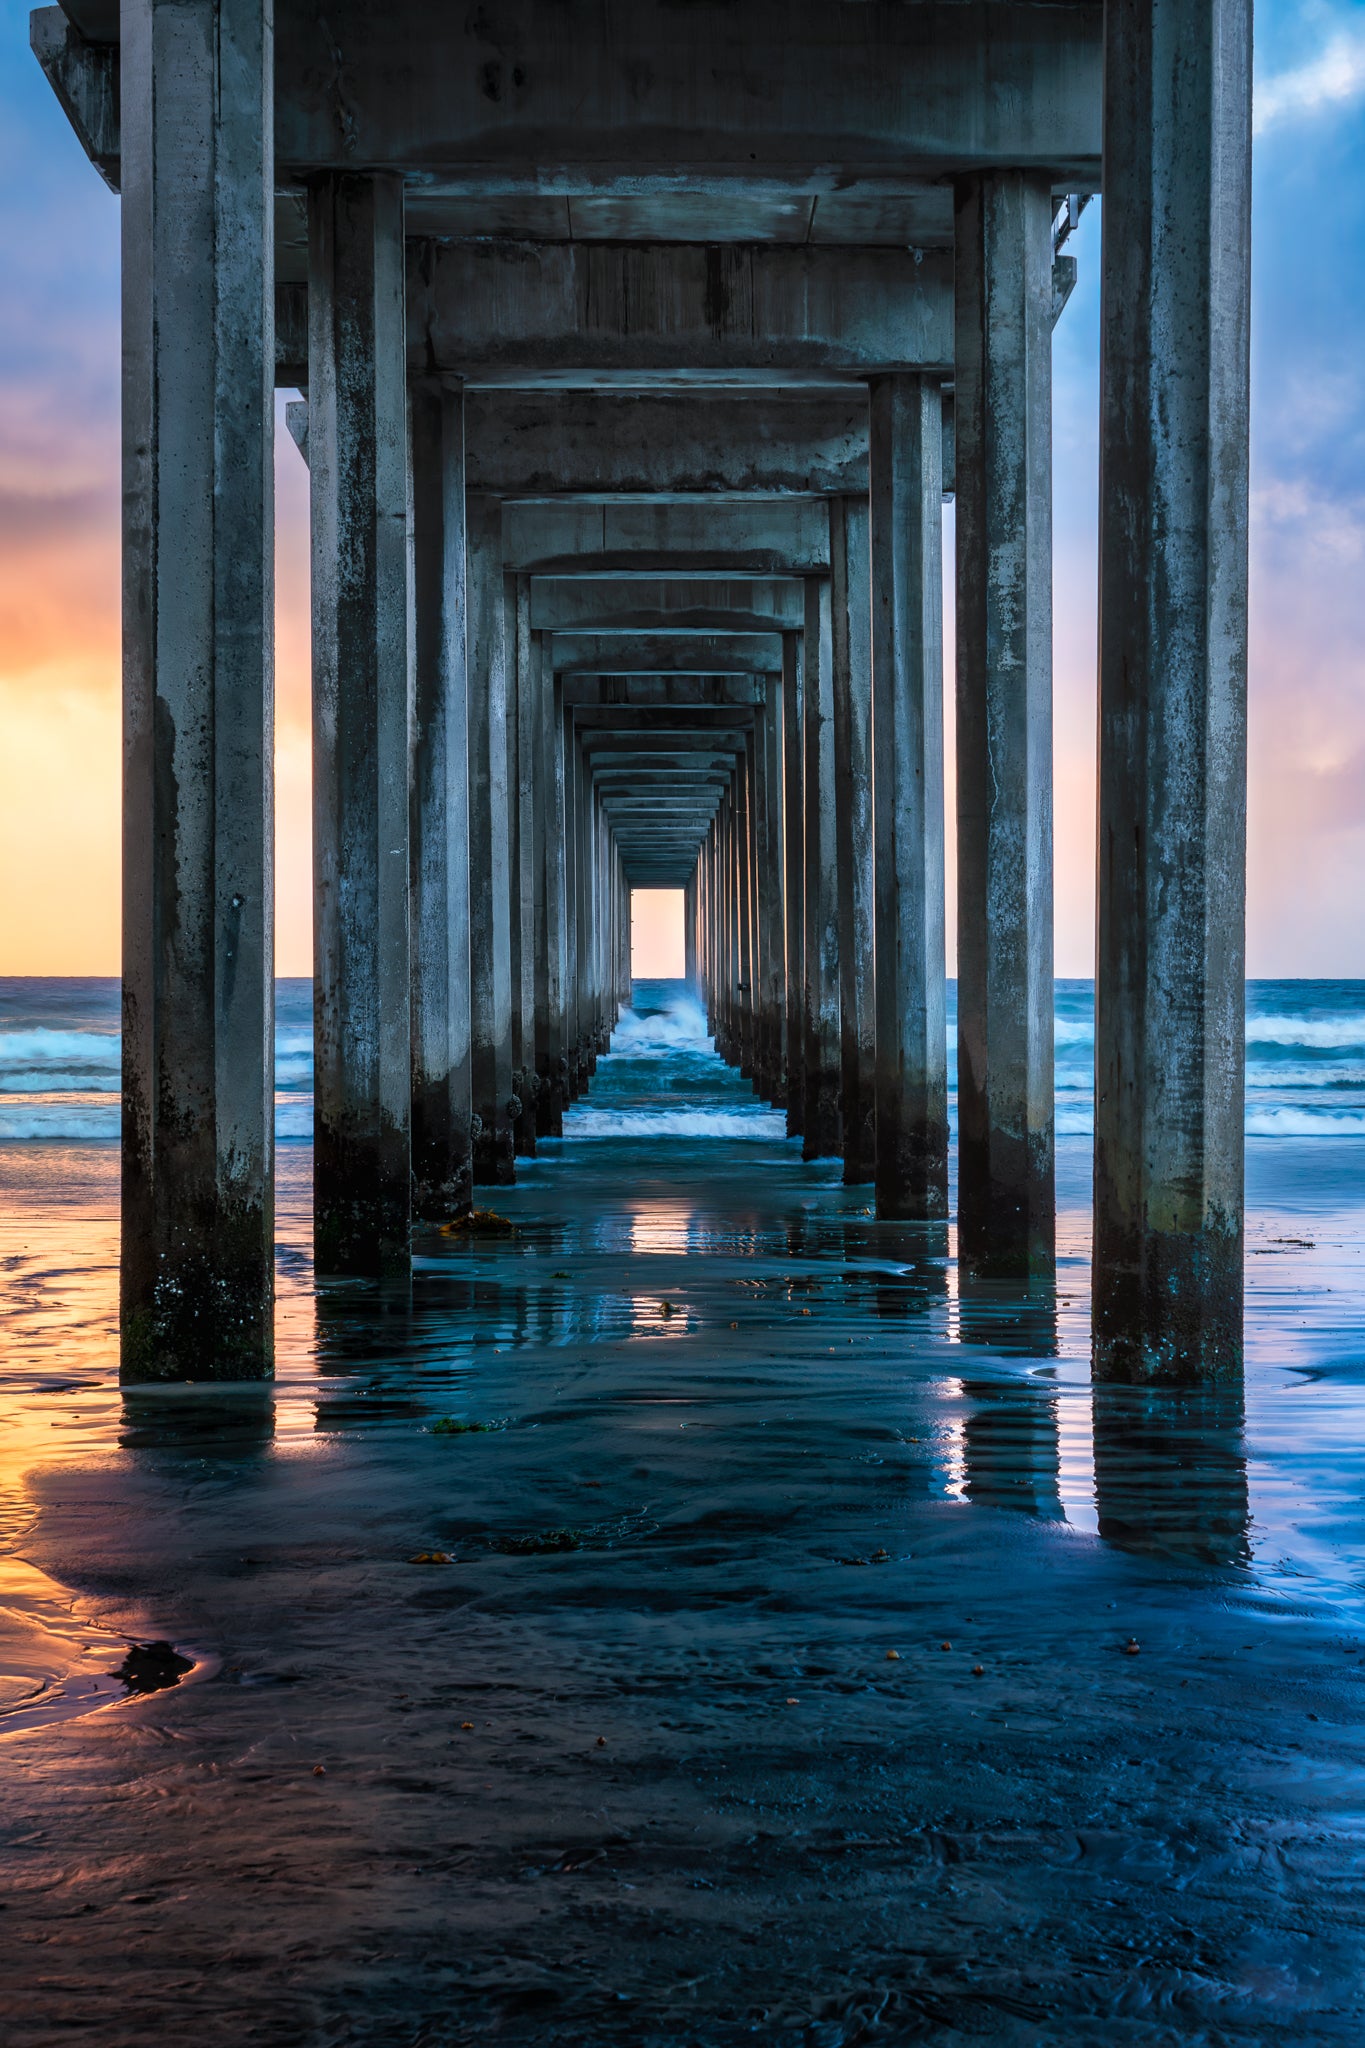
<point>556,1596</point>
<point>1170,1471</point>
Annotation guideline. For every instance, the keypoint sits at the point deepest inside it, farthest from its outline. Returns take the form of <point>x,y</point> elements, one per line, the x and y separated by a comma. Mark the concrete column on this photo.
<point>489,878</point>
<point>549,1111</point>
<point>197,1282</point>
<point>1006,1222</point>
<point>442,1100</point>
<point>907,756</point>
<point>552,739</point>
<point>573,1082</point>
<point>1169,1029</point>
<point>583,889</point>
<point>357,453</point>
<point>525,1081</point>
<point>793,884</point>
<point>744,908</point>
<point>851,612</point>
<point>690,930</point>
<point>725,921</point>
<point>774,943</point>
<point>823,1126</point>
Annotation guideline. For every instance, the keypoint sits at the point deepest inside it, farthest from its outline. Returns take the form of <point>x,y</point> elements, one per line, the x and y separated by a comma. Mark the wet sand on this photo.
<point>634,1761</point>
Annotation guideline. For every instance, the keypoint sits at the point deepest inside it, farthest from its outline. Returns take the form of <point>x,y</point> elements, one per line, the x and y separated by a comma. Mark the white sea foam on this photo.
<point>1330,1033</point>
<point>73,1121</point>
<point>1296,1121</point>
<point>96,1119</point>
<point>655,1034</point>
<point>758,1122</point>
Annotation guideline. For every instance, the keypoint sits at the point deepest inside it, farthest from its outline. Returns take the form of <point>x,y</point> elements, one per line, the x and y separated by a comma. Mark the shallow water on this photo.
<point>740,1442</point>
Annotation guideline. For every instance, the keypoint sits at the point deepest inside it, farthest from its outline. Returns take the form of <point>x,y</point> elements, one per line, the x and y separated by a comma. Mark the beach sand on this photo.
<point>631,1757</point>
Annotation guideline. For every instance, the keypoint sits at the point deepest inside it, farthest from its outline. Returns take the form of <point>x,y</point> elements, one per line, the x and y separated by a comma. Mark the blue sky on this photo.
<point>59,359</point>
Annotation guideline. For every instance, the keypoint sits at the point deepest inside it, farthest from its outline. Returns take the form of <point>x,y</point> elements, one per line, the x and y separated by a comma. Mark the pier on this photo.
<point>637,350</point>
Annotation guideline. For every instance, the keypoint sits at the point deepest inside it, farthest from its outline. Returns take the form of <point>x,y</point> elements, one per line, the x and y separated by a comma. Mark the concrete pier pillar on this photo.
<point>522,815</point>
<point>489,852</point>
<point>851,617</point>
<point>442,1100</point>
<point>197,1280</point>
<point>1006,1222</point>
<point>548,883</point>
<point>742,800</point>
<point>573,1076</point>
<point>906,469</point>
<point>822,1130</point>
<point>552,740</point>
<point>768,883</point>
<point>794,883</point>
<point>357,447</point>
<point>1169,1029</point>
<point>690,897</point>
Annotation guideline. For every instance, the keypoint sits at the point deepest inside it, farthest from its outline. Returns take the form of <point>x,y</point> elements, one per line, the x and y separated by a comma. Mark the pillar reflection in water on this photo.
<point>1010,1446</point>
<point>917,1281</point>
<point>230,1424</point>
<point>1170,1471</point>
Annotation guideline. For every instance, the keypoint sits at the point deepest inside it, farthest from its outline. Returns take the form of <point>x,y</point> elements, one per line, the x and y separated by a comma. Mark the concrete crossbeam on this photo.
<point>763,538</point>
<point>635,606</point>
<point>662,654</point>
<point>660,125</point>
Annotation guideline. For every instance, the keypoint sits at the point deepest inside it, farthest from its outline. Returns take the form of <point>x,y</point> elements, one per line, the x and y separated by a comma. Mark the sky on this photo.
<point>59,537</point>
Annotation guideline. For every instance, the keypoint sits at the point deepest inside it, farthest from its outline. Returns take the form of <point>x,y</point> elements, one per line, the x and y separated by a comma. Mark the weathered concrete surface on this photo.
<point>768,754</point>
<point>573,312</point>
<point>538,445</point>
<point>851,621</point>
<point>1169,1045</point>
<point>521,751</point>
<point>794,881</point>
<point>85,78</point>
<point>760,538</point>
<point>639,606</point>
<point>822,1127</point>
<point>664,654</point>
<point>907,764</point>
<point>550,1031</point>
<point>361,970</point>
<point>522,124</point>
<point>490,876</point>
<point>1006,1222</point>
<point>442,1101</point>
<point>198,695</point>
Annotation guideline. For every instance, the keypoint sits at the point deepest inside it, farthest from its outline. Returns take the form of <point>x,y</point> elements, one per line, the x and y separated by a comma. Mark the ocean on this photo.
<point>59,1063</point>
<point>653,1161</point>
<point>700,1562</point>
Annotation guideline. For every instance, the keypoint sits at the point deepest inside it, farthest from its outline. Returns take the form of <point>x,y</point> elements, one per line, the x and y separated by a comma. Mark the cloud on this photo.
<point>1334,78</point>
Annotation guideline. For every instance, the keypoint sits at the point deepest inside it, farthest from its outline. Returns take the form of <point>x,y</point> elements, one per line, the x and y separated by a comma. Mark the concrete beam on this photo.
<point>636,605</point>
<point>760,537</point>
<point>576,313</point>
<point>805,119</point>
<point>662,654</point>
<point>536,445</point>
<point>85,78</point>
<point>475,103</point>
